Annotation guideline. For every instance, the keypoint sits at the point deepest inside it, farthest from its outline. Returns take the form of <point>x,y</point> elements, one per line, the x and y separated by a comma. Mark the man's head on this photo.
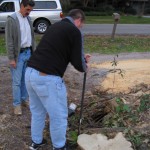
<point>78,17</point>
<point>26,7</point>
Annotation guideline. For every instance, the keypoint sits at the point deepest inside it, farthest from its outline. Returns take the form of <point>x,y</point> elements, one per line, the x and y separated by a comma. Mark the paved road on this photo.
<point>106,29</point>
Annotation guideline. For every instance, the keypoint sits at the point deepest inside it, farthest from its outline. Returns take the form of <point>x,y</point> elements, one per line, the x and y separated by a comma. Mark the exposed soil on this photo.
<point>103,84</point>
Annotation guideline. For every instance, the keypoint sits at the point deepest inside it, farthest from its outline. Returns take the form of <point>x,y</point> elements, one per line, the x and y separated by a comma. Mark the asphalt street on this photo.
<point>106,29</point>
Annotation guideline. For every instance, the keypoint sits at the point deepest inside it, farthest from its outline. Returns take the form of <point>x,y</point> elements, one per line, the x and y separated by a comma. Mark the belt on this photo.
<point>23,49</point>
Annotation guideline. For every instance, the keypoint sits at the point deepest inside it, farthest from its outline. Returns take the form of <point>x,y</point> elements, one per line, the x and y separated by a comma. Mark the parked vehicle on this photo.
<point>45,13</point>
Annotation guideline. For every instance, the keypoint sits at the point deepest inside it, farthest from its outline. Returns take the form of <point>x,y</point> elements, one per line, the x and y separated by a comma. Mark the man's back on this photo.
<point>60,45</point>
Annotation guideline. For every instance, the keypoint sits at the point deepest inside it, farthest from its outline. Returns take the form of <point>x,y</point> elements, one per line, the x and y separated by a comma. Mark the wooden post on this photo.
<point>116,17</point>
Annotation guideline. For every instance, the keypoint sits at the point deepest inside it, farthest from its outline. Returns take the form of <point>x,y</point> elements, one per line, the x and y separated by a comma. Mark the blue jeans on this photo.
<point>47,94</point>
<point>18,78</point>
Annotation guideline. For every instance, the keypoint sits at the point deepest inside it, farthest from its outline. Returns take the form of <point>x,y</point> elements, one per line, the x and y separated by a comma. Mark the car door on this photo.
<point>6,8</point>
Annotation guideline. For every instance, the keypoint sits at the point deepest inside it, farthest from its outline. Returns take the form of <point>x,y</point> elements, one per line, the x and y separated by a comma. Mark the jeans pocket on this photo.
<point>61,93</point>
<point>42,90</point>
<point>59,86</point>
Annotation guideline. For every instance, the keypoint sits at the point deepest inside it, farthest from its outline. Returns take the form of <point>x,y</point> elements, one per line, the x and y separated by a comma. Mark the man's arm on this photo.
<point>9,42</point>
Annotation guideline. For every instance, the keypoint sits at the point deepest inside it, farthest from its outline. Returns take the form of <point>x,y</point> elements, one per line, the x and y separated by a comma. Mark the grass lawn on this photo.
<point>2,45</point>
<point>123,20</point>
<point>104,44</point>
<point>121,44</point>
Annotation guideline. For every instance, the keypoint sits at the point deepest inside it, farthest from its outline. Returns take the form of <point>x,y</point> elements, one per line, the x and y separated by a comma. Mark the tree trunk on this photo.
<point>85,2</point>
<point>142,9</point>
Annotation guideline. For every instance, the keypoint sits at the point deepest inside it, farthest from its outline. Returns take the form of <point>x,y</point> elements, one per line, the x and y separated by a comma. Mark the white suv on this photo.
<point>45,13</point>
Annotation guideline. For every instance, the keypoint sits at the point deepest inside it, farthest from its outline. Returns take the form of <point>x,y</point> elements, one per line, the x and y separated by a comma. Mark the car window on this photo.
<point>7,7</point>
<point>45,5</point>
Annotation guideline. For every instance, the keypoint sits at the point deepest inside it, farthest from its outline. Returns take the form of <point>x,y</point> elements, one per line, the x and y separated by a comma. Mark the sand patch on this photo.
<point>135,72</point>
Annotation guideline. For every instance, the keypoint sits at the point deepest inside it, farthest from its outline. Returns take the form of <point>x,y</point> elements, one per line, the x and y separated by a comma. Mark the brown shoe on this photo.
<point>25,103</point>
<point>17,110</point>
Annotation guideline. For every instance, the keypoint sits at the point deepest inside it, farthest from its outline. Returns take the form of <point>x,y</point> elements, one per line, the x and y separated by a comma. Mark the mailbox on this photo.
<point>116,16</point>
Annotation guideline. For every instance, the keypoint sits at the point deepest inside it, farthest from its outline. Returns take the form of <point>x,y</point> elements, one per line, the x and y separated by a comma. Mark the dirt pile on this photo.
<point>135,72</point>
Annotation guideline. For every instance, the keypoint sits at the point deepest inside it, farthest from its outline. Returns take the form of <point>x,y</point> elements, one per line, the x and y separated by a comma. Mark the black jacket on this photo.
<point>61,44</point>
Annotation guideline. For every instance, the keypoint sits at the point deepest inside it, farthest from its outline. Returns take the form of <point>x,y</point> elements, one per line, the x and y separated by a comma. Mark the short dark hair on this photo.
<point>28,2</point>
<point>76,14</point>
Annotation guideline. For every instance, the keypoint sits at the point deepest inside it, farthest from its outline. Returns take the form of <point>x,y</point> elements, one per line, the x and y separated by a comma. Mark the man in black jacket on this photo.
<point>61,44</point>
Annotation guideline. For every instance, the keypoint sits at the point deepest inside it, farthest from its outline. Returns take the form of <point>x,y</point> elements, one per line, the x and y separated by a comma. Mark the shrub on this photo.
<point>131,11</point>
<point>94,13</point>
<point>147,11</point>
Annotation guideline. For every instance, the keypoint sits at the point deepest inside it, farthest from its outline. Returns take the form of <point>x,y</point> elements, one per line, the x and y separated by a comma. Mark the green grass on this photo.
<point>2,45</point>
<point>123,20</point>
<point>104,44</point>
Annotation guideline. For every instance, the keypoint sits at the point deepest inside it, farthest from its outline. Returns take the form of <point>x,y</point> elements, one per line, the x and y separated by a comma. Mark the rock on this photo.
<point>101,142</point>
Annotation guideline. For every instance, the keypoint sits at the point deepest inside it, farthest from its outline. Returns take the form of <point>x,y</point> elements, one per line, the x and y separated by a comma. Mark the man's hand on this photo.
<point>87,58</point>
<point>12,63</point>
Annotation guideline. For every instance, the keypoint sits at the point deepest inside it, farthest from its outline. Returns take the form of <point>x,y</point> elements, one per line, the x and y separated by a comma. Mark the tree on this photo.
<point>65,4</point>
<point>86,2</point>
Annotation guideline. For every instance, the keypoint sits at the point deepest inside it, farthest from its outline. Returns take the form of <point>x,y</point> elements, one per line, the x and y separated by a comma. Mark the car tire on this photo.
<point>41,26</point>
